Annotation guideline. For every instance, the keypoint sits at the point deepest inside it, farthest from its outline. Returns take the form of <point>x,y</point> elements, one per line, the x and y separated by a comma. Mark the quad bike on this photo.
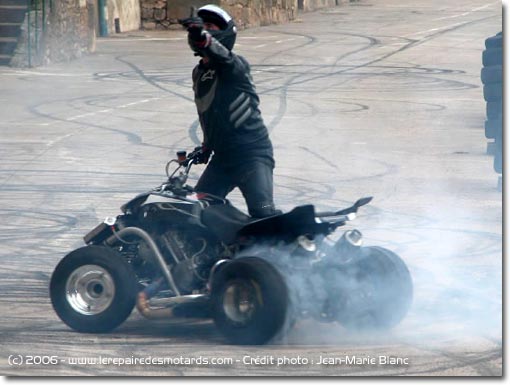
<point>177,253</point>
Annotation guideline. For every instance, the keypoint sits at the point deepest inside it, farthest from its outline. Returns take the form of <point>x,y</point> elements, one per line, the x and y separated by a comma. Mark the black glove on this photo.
<point>202,154</point>
<point>195,27</point>
<point>192,21</point>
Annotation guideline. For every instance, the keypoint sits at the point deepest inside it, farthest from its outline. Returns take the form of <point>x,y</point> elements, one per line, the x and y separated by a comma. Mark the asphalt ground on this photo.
<point>379,98</point>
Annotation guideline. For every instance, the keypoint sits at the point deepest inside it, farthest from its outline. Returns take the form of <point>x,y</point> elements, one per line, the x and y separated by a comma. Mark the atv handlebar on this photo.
<point>183,160</point>
<point>177,184</point>
<point>192,157</point>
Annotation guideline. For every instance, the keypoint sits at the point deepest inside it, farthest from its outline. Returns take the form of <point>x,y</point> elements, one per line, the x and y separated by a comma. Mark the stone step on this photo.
<point>10,29</point>
<point>8,45</point>
<point>12,13</point>
<point>5,59</point>
<point>22,3</point>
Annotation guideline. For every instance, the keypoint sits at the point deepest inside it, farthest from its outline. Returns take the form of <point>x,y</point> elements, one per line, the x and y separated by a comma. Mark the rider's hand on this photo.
<point>202,154</point>
<point>192,21</point>
<point>195,27</point>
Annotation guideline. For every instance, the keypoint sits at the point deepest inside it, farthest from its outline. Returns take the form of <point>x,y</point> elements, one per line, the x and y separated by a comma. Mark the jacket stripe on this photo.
<point>243,118</point>
<point>237,101</point>
<point>240,110</point>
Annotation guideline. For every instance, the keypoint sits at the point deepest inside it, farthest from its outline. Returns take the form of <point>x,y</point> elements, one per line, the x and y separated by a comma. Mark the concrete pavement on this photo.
<point>377,98</point>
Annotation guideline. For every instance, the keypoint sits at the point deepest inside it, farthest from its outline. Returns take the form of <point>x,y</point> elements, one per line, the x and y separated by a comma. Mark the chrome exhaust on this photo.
<point>144,308</point>
<point>150,242</point>
<point>166,307</point>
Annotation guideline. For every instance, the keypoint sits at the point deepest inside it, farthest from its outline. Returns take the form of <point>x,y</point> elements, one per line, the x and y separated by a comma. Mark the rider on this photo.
<point>228,110</point>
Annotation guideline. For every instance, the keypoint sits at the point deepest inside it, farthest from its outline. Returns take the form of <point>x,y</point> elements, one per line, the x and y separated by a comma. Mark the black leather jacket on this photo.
<point>228,107</point>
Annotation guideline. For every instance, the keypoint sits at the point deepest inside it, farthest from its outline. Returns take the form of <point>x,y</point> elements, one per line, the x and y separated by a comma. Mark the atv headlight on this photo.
<point>306,243</point>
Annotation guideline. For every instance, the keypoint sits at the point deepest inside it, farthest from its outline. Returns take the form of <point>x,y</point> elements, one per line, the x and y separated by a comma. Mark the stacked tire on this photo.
<point>492,79</point>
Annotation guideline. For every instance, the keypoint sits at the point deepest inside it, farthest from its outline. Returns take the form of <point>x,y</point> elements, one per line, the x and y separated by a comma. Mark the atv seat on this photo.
<point>225,221</point>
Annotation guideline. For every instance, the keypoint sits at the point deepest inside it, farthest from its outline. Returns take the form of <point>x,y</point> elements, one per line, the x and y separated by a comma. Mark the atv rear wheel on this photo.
<point>93,289</point>
<point>249,301</point>
<point>376,293</point>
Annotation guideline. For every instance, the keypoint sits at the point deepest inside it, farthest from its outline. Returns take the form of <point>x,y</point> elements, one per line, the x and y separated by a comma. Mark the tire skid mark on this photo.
<point>155,76</point>
<point>460,361</point>
<point>34,222</point>
<point>149,80</point>
<point>320,157</point>
<point>304,190</point>
<point>282,107</point>
<point>372,42</point>
<point>283,90</point>
<point>382,69</point>
<point>291,82</point>
<point>131,137</point>
<point>193,128</point>
<point>185,335</point>
<point>434,106</point>
<point>309,41</point>
<point>71,190</point>
<point>312,190</point>
<point>407,46</point>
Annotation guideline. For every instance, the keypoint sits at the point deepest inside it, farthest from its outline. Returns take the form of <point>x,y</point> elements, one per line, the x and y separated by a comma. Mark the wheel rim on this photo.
<point>241,300</point>
<point>90,289</point>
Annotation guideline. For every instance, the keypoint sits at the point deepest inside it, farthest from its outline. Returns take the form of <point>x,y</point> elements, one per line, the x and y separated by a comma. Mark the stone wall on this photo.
<point>161,14</point>
<point>254,13</point>
<point>70,30</point>
<point>66,34</point>
<point>29,43</point>
<point>154,15</point>
<point>312,5</point>
<point>127,12</point>
<point>71,26</point>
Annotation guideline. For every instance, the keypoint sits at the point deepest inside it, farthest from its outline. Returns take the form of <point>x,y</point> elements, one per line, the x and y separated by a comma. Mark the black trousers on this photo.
<point>254,178</point>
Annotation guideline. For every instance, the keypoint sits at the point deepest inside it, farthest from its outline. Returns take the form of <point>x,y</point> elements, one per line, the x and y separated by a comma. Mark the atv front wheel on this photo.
<point>249,301</point>
<point>93,289</point>
<point>376,291</point>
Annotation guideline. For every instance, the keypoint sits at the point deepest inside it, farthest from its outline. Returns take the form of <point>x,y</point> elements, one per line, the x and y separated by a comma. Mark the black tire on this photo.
<point>493,127</point>
<point>100,271</point>
<point>378,291</point>
<point>492,74</point>
<point>493,92</point>
<point>262,290</point>
<point>494,110</point>
<point>492,57</point>
<point>494,41</point>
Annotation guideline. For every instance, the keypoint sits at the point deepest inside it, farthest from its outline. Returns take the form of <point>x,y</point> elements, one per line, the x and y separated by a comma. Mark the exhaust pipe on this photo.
<point>172,306</point>
<point>168,307</point>
<point>144,308</point>
<point>150,242</point>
